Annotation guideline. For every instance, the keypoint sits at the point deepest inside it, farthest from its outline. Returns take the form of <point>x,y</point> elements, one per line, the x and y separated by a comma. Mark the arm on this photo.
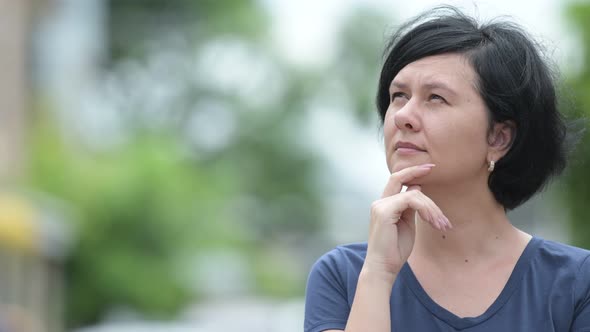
<point>391,239</point>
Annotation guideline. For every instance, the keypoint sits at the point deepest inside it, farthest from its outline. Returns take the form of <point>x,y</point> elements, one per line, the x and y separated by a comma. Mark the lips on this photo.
<point>407,145</point>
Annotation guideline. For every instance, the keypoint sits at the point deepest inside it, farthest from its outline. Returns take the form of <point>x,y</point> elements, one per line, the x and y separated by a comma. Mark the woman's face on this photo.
<point>437,116</point>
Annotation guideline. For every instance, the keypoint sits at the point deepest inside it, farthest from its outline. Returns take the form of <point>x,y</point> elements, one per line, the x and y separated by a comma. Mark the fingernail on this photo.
<point>427,166</point>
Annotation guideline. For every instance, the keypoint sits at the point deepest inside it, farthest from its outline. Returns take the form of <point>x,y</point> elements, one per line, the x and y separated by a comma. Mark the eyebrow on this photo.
<point>429,85</point>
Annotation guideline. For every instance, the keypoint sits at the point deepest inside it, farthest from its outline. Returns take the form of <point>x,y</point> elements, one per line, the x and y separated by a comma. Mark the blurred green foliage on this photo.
<point>577,193</point>
<point>137,207</point>
<point>157,195</point>
<point>132,22</point>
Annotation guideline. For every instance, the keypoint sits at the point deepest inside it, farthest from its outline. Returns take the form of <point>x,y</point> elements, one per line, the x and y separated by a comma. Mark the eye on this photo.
<point>397,95</point>
<point>437,98</point>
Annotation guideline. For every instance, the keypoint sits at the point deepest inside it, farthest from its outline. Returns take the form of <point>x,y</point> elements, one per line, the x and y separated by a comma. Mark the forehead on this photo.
<point>453,70</point>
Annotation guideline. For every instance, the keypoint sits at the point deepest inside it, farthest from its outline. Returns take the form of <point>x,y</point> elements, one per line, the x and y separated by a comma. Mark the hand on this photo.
<point>392,228</point>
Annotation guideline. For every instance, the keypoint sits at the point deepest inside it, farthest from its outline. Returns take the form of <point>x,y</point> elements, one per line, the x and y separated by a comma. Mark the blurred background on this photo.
<point>178,165</point>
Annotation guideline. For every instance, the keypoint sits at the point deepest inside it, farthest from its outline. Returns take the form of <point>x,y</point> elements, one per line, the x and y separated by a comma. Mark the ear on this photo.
<point>500,139</point>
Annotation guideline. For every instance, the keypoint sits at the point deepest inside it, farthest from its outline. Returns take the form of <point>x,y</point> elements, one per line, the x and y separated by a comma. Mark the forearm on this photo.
<point>371,307</point>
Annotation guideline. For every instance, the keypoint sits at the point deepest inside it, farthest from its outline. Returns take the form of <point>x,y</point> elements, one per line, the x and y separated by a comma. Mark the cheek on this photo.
<point>461,142</point>
<point>388,129</point>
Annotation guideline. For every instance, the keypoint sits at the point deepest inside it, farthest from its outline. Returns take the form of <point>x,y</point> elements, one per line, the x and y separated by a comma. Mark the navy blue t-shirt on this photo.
<point>548,290</point>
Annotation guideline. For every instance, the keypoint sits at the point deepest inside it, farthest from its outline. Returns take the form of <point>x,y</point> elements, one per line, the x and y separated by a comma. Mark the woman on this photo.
<point>472,130</point>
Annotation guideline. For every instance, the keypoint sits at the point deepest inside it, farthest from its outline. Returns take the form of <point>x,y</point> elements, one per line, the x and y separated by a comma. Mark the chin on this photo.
<point>401,164</point>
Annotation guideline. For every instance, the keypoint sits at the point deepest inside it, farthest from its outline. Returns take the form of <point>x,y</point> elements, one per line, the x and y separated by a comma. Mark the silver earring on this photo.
<point>491,166</point>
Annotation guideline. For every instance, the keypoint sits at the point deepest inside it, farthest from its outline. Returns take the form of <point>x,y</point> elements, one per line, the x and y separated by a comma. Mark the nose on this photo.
<point>408,117</point>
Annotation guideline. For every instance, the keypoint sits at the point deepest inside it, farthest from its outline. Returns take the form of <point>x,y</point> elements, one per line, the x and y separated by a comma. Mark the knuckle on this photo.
<point>416,194</point>
<point>417,199</point>
<point>396,176</point>
<point>375,206</point>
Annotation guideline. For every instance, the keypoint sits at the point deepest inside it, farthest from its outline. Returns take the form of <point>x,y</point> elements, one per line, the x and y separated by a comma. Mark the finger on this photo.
<point>431,207</point>
<point>414,187</point>
<point>410,188</point>
<point>435,216</point>
<point>441,220</point>
<point>397,179</point>
<point>392,207</point>
<point>410,214</point>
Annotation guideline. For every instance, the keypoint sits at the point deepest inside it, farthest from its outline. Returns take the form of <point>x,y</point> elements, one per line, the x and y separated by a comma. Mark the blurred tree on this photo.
<point>195,142</point>
<point>132,24</point>
<point>578,178</point>
<point>362,39</point>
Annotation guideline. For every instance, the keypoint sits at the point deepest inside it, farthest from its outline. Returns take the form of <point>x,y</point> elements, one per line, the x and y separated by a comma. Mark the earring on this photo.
<point>491,166</point>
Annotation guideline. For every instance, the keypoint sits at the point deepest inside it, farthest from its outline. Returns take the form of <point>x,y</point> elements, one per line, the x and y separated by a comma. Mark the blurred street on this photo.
<point>246,315</point>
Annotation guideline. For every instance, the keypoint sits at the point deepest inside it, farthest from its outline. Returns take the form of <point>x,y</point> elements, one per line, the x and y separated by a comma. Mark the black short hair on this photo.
<point>515,81</point>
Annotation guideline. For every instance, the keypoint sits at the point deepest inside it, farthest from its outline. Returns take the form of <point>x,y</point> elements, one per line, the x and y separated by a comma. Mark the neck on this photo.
<point>481,229</point>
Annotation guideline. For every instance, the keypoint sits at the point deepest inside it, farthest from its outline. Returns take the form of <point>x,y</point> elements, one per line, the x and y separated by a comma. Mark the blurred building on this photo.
<point>32,239</point>
<point>14,27</point>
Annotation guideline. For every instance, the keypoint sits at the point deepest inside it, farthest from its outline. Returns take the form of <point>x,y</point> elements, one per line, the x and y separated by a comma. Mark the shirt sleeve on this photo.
<point>581,321</point>
<point>326,305</point>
